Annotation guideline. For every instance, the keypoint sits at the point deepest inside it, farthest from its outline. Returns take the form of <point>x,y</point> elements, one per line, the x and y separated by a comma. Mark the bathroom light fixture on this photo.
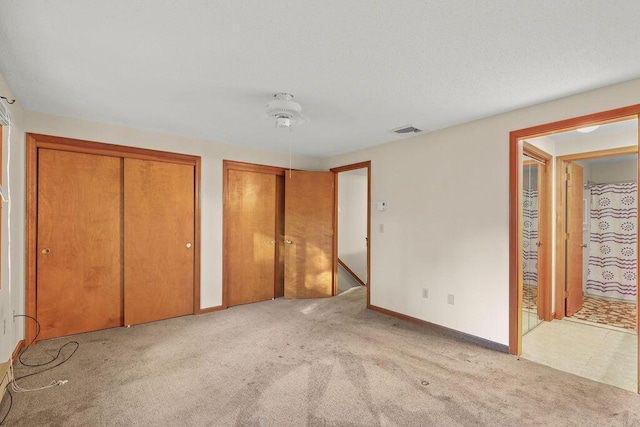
<point>588,129</point>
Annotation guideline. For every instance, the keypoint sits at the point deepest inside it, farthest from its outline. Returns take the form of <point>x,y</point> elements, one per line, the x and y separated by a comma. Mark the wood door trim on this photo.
<point>346,168</point>
<point>620,151</point>
<point>544,230</point>
<point>603,117</point>
<point>104,149</point>
<point>1,204</point>
<point>31,236</point>
<point>37,141</point>
<point>197,176</point>
<point>354,166</point>
<point>253,167</point>
<point>515,176</point>
<point>561,225</point>
<point>228,165</point>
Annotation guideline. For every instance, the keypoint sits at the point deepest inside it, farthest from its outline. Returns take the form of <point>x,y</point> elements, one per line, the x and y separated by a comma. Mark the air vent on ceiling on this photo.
<point>407,130</point>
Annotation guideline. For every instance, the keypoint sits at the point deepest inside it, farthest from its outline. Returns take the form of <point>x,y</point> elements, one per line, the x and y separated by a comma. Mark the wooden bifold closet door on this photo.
<point>251,209</point>
<point>115,241</point>
<point>278,228</point>
<point>308,227</point>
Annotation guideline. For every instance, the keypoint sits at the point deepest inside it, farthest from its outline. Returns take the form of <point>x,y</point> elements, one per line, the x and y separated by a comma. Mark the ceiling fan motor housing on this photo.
<point>285,111</point>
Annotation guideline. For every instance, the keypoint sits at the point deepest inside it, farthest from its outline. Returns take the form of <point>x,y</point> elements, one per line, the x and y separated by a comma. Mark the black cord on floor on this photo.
<point>51,361</point>
<point>10,405</point>
<point>32,341</point>
<point>35,365</point>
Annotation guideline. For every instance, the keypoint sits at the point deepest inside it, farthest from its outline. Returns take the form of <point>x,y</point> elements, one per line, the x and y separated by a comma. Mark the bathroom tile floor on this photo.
<point>603,311</point>
<point>621,314</point>
<point>603,354</point>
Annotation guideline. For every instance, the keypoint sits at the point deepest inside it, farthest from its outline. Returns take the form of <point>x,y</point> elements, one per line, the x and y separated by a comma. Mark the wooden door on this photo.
<point>252,238</point>
<point>158,240</point>
<point>79,261</point>
<point>574,239</point>
<point>309,223</point>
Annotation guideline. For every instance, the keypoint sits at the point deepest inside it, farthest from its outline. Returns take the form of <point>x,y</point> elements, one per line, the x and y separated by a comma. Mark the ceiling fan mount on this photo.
<point>285,111</point>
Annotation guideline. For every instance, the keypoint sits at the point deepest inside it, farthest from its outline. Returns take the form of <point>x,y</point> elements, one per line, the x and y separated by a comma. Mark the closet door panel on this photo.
<point>79,261</point>
<point>158,240</point>
<point>309,223</point>
<point>251,241</point>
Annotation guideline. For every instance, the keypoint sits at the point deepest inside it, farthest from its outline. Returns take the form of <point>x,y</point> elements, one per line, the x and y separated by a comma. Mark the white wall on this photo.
<point>352,222</point>
<point>12,285</point>
<point>610,172</point>
<point>447,229</point>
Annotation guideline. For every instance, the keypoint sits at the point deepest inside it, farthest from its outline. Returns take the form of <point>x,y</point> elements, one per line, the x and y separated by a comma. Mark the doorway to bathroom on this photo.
<point>591,294</point>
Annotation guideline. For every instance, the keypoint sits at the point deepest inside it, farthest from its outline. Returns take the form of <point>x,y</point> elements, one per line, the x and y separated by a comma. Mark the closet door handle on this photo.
<point>188,245</point>
<point>288,242</point>
<point>45,250</point>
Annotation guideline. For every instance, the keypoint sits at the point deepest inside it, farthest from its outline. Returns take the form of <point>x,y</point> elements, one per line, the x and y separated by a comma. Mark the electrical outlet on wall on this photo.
<point>425,293</point>
<point>450,299</point>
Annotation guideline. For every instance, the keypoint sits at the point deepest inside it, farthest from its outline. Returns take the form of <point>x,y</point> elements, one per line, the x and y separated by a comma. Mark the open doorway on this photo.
<point>596,337</point>
<point>602,207</point>
<point>610,261</point>
<point>352,184</point>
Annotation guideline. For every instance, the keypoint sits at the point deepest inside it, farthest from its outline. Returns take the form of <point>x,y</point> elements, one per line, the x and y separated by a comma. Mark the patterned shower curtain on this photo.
<point>530,236</point>
<point>612,249</point>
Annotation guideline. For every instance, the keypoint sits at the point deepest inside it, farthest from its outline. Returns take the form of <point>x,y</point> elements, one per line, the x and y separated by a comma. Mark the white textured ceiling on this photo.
<point>206,69</point>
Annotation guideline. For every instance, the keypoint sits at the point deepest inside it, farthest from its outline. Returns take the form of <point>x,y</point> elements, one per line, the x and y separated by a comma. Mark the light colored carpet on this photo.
<point>328,362</point>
